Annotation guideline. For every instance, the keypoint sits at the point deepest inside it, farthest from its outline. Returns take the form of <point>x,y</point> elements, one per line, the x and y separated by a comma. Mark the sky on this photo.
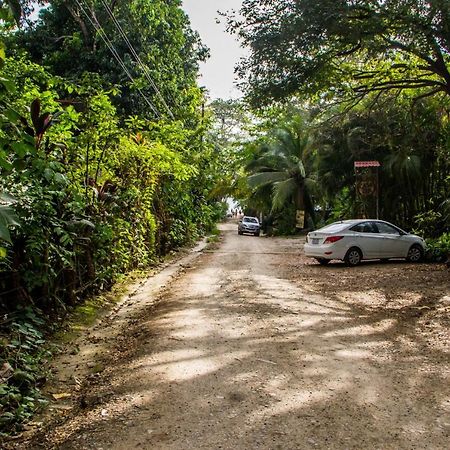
<point>217,74</point>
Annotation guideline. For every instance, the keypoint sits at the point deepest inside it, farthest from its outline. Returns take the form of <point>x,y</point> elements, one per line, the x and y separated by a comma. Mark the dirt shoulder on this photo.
<point>250,345</point>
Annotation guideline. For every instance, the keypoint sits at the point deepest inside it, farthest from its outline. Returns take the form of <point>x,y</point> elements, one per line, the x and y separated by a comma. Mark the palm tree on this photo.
<point>280,163</point>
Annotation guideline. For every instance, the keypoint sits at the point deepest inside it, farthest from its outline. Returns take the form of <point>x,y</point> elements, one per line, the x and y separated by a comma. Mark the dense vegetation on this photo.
<point>104,163</point>
<point>109,158</point>
<point>343,47</point>
<point>341,81</point>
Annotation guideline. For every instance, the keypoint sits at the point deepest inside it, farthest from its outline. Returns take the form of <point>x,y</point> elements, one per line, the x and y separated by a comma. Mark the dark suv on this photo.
<point>249,225</point>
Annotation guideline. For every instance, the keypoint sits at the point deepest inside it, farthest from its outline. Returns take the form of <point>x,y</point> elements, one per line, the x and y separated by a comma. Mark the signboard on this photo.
<point>300,218</point>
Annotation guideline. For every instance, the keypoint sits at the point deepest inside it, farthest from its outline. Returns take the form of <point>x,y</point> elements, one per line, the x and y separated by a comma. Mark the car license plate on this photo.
<point>315,241</point>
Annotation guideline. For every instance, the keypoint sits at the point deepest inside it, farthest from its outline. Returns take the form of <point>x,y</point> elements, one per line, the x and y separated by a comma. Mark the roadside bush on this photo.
<point>22,369</point>
<point>430,223</point>
<point>95,196</point>
<point>439,249</point>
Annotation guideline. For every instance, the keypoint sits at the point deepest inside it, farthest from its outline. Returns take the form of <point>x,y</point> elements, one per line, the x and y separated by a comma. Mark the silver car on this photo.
<point>249,225</point>
<point>355,240</point>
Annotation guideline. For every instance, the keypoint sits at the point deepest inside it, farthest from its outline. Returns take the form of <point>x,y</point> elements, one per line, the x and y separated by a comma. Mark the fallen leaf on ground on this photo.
<point>61,395</point>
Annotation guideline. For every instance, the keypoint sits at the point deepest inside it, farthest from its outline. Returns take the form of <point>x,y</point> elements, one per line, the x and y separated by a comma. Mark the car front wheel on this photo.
<point>353,256</point>
<point>415,254</point>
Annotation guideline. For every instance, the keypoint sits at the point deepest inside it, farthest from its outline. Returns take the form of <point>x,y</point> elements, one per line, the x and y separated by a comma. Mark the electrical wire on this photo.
<point>144,68</point>
<point>113,50</point>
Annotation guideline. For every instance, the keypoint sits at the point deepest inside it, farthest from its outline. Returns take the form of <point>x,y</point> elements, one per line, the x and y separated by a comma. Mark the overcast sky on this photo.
<point>217,73</point>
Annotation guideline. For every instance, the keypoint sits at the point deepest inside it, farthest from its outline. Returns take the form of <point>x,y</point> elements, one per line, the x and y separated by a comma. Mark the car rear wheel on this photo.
<point>323,261</point>
<point>415,254</point>
<point>353,256</point>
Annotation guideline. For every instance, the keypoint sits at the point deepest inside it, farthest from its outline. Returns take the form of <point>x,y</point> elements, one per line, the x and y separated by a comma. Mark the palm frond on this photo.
<point>286,141</point>
<point>301,169</point>
<point>264,178</point>
<point>311,183</point>
<point>265,163</point>
<point>282,193</point>
<point>404,163</point>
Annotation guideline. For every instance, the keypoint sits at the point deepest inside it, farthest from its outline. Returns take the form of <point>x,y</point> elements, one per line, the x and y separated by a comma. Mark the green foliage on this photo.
<point>93,192</point>
<point>64,40</point>
<point>409,138</point>
<point>439,249</point>
<point>8,218</point>
<point>329,49</point>
<point>429,223</point>
<point>22,360</point>
<point>280,162</point>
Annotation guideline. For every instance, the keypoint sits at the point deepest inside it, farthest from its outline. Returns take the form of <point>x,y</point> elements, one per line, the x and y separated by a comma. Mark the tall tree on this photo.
<point>280,163</point>
<point>69,38</point>
<point>343,46</point>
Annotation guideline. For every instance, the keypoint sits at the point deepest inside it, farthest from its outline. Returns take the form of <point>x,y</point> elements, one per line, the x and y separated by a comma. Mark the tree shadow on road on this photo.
<point>273,362</point>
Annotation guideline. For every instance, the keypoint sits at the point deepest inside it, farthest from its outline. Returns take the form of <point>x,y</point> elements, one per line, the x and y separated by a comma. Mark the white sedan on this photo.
<point>355,240</point>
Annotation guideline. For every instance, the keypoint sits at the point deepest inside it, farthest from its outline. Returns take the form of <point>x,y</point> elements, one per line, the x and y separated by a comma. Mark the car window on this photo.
<point>334,227</point>
<point>365,227</point>
<point>359,228</point>
<point>250,219</point>
<point>386,229</point>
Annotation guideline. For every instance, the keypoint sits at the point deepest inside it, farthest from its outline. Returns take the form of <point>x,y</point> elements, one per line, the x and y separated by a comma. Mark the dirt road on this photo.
<point>254,347</point>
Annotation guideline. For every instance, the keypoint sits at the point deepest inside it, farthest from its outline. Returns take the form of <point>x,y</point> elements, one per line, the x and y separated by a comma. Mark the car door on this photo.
<point>392,243</point>
<point>367,239</point>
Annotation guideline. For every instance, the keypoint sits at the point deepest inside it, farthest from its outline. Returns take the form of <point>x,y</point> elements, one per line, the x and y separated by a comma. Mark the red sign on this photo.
<point>367,164</point>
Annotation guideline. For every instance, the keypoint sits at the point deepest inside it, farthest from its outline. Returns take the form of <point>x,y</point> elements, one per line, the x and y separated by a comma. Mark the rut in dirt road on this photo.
<point>239,355</point>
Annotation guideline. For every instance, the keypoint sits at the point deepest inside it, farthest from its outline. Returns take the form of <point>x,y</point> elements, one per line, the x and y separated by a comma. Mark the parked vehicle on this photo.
<point>249,225</point>
<point>355,240</point>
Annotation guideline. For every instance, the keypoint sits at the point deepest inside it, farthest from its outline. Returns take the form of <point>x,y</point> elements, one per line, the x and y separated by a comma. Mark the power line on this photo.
<point>113,50</point>
<point>144,68</point>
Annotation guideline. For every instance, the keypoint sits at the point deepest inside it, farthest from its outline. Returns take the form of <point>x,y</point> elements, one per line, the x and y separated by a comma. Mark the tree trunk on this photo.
<point>76,15</point>
<point>299,201</point>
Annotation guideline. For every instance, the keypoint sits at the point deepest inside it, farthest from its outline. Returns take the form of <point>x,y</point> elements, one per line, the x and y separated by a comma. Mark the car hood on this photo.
<point>414,237</point>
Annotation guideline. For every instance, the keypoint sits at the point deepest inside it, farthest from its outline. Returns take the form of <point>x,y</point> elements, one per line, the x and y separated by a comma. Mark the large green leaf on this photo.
<point>22,148</point>
<point>4,231</point>
<point>7,84</point>
<point>8,216</point>
<point>283,192</point>
<point>264,178</point>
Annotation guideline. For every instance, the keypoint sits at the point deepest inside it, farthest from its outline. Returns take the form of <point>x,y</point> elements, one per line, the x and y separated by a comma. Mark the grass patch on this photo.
<point>214,236</point>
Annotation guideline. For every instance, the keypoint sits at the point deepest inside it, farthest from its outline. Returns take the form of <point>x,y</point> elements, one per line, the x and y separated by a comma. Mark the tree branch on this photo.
<point>77,17</point>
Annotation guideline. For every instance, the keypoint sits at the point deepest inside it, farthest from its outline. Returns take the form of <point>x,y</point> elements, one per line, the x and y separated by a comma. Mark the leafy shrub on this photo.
<point>22,359</point>
<point>439,249</point>
<point>429,223</point>
<point>96,195</point>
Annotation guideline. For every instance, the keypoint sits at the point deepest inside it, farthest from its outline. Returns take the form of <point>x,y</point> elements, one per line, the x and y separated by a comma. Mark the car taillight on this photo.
<point>331,239</point>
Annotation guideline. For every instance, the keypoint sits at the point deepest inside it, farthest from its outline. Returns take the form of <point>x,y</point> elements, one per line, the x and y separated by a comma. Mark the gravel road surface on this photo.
<point>253,346</point>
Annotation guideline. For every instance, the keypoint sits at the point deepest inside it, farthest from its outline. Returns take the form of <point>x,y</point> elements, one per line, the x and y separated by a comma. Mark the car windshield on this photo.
<point>333,228</point>
<point>250,219</point>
